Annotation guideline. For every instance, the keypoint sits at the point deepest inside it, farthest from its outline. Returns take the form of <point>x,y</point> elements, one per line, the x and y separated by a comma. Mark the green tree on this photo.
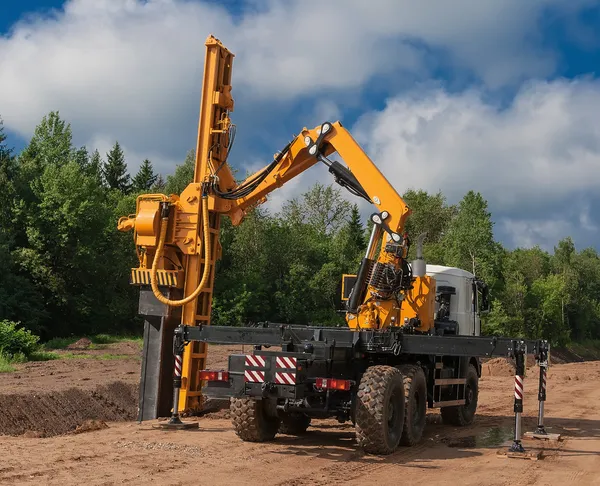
<point>51,144</point>
<point>145,179</point>
<point>469,240</point>
<point>160,184</point>
<point>184,175</point>
<point>321,207</point>
<point>430,215</point>
<point>82,157</point>
<point>115,170</point>
<point>94,167</point>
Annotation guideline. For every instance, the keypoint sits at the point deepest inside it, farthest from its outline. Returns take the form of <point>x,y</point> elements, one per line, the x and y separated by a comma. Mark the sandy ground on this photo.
<point>125,452</point>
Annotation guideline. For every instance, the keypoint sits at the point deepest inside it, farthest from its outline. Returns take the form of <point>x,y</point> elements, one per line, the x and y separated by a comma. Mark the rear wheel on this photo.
<point>250,420</point>
<point>294,424</point>
<point>415,393</point>
<point>462,415</point>
<point>380,409</point>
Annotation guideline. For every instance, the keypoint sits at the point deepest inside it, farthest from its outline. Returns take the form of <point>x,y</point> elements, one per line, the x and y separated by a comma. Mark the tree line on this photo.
<point>65,267</point>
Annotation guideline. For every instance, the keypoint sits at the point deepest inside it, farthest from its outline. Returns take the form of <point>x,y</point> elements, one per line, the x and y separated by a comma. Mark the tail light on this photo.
<point>332,384</point>
<point>214,375</point>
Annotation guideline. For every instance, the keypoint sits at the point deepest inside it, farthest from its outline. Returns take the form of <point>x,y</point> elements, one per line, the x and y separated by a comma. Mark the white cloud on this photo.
<point>131,69</point>
<point>539,155</point>
<point>544,147</point>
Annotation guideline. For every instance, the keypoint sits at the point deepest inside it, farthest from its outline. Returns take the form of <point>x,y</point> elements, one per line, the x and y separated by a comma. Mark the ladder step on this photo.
<point>450,381</point>
<point>448,403</point>
<point>194,394</point>
<point>198,355</point>
<point>439,366</point>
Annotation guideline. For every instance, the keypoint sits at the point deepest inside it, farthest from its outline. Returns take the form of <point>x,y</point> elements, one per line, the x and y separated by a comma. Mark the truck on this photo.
<point>412,338</point>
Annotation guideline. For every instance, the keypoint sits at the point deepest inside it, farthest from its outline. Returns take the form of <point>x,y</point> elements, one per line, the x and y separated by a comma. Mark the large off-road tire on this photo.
<point>380,409</point>
<point>250,421</point>
<point>415,394</point>
<point>464,414</point>
<point>294,424</point>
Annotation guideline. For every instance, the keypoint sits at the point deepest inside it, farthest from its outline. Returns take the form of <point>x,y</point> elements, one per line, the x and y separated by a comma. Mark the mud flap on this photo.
<point>156,380</point>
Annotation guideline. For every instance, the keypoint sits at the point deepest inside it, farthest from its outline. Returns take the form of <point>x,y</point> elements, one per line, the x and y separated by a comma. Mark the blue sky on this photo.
<point>500,97</point>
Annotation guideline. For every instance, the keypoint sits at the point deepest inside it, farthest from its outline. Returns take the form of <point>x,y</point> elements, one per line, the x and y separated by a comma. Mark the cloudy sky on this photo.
<point>499,96</point>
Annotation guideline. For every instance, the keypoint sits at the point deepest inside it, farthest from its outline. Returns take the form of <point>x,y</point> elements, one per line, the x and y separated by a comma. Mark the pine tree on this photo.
<point>115,170</point>
<point>5,152</point>
<point>159,185</point>
<point>145,179</point>
<point>82,157</point>
<point>94,167</point>
<point>356,230</point>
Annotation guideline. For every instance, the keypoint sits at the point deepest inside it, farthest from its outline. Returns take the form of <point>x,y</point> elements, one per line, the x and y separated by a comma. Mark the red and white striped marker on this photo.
<point>254,376</point>
<point>255,361</point>
<point>285,378</point>
<point>178,365</point>
<point>518,387</point>
<point>285,362</point>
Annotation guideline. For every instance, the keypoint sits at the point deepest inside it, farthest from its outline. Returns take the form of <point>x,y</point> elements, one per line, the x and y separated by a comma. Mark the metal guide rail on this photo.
<point>320,340</point>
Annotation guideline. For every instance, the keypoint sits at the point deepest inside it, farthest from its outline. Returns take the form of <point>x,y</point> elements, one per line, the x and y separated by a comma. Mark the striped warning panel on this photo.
<point>254,376</point>
<point>285,362</point>
<point>285,378</point>
<point>142,276</point>
<point>255,361</point>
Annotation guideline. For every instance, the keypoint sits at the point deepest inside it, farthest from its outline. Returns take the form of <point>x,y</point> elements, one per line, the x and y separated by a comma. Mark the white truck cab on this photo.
<point>460,298</point>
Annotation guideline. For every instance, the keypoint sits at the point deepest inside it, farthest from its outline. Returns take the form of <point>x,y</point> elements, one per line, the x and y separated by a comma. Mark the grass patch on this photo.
<point>5,365</point>
<point>43,356</point>
<point>105,356</point>
<point>59,343</point>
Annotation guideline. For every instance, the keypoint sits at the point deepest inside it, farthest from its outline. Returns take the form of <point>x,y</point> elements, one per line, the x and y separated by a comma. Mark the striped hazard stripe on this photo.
<point>285,378</point>
<point>140,276</point>
<point>254,376</point>
<point>255,361</point>
<point>285,362</point>
<point>518,387</point>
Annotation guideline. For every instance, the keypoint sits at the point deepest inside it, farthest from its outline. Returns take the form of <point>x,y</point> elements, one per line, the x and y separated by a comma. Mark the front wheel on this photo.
<point>380,409</point>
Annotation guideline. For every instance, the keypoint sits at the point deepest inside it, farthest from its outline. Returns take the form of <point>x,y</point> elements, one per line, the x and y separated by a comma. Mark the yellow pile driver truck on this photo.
<point>412,339</point>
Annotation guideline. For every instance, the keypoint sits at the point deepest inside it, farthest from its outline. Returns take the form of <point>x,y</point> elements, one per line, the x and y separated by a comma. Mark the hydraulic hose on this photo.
<point>159,253</point>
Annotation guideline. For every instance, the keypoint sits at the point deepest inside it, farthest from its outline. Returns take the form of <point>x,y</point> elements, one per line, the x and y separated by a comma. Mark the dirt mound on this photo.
<point>83,343</point>
<point>497,367</point>
<point>60,412</point>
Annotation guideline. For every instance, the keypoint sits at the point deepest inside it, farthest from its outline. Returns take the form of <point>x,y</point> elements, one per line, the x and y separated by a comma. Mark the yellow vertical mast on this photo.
<point>212,148</point>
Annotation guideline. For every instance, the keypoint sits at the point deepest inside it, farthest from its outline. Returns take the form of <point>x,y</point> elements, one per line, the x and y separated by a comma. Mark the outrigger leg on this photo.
<point>175,421</point>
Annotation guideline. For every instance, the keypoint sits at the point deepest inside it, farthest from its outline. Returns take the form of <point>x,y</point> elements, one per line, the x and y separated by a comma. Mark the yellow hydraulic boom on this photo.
<point>177,235</point>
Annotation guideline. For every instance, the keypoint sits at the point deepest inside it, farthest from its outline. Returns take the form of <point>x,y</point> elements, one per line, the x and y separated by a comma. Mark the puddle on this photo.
<point>492,437</point>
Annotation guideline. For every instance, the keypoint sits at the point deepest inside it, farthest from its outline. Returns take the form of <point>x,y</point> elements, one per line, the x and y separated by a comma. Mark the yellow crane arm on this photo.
<point>363,178</point>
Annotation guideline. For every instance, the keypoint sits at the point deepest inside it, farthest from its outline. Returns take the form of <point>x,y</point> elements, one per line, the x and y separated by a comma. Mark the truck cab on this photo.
<point>460,300</point>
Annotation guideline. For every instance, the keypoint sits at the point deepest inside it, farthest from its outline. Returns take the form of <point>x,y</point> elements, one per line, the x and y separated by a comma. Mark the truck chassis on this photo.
<point>381,380</point>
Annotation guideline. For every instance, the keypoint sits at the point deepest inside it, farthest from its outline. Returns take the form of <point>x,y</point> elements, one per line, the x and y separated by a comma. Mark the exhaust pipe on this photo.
<point>419,267</point>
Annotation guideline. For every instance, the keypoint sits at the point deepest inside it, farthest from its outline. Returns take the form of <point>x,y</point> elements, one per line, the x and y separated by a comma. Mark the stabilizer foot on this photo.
<point>515,450</point>
<point>176,425</point>
<point>542,436</point>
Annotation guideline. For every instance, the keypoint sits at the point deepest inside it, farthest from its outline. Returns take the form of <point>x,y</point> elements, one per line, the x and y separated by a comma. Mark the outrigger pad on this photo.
<point>546,436</point>
<point>176,426</point>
